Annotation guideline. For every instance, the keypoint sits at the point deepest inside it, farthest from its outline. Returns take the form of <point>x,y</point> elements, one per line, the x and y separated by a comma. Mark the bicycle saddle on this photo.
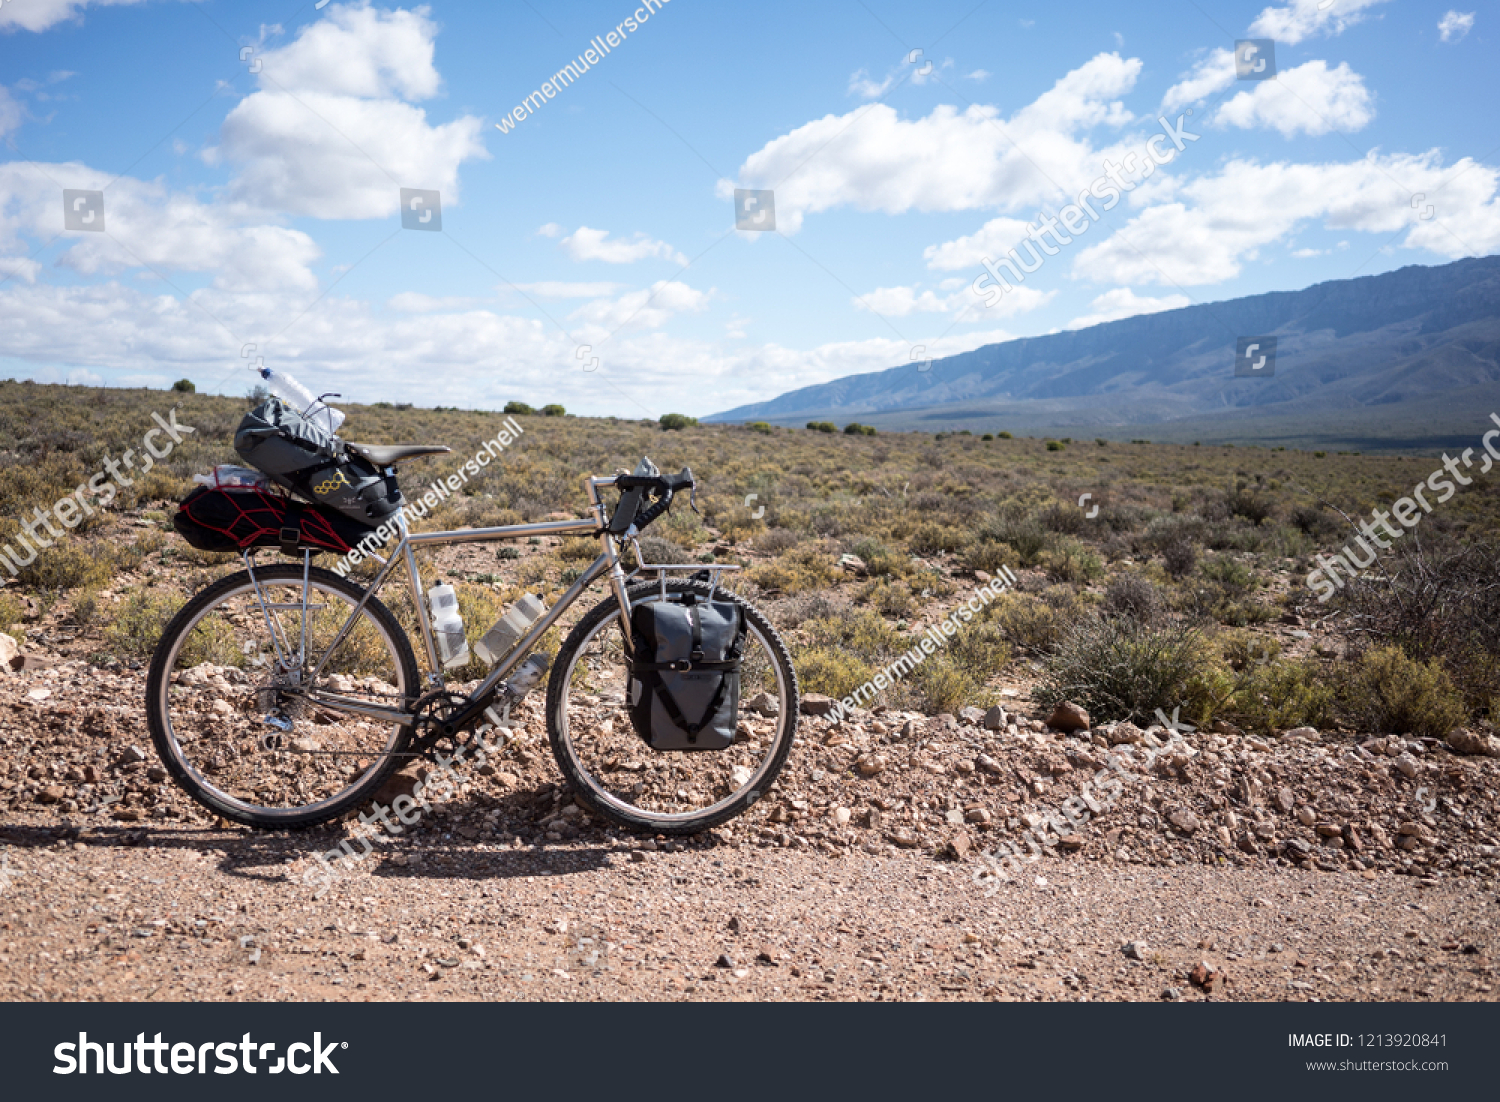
<point>386,455</point>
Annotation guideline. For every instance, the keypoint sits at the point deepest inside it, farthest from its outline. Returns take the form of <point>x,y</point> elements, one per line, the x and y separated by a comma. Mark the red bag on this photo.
<point>235,520</point>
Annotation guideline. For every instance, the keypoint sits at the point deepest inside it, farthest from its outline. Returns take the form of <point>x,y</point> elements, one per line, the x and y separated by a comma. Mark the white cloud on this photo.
<point>591,244</point>
<point>1455,25</point>
<point>329,134</point>
<point>995,238</point>
<point>1122,302</point>
<point>414,302</point>
<point>1304,18</point>
<point>39,15</point>
<point>980,75</point>
<point>862,86</point>
<point>557,289</point>
<point>648,308</point>
<point>10,112</point>
<point>151,227</point>
<point>899,302</point>
<point>874,160</point>
<point>1312,99</point>
<point>1222,220</point>
<point>1210,75</point>
<point>1307,254</point>
<point>551,229</point>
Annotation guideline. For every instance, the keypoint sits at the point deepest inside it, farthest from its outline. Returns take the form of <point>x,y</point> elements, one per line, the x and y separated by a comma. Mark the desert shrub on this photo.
<point>880,559</point>
<point>980,649</point>
<point>1179,555</point>
<point>892,599</point>
<point>675,422</point>
<point>1242,650</point>
<point>933,539</point>
<point>1029,623</point>
<point>1004,436</point>
<point>1066,521</point>
<point>184,386</point>
<point>762,427</point>
<point>67,565</point>
<point>1134,597</point>
<point>553,410</point>
<point>1278,695</point>
<point>518,407</point>
<point>944,685</point>
<point>138,623</point>
<point>1249,504</point>
<point>989,555</point>
<point>1119,669</point>
<point>1388,692</point>
<point>800,569</point>
<point>578,549</point>
<point>854,428</point>
<point>1055,445</point>
<point>776,540</point>
<point>861,632</point>
<point>1315,520</point>
<point>656,549</point>
<point>830,671</point>
<point>1072,562</point>
<point>822,426</point>
<point>1025,535</point>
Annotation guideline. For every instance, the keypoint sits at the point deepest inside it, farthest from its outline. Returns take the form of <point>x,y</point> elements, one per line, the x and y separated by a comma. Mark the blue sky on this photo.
<point>256,200</point>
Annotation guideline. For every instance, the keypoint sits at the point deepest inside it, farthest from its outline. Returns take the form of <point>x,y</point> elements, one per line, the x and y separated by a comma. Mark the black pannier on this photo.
<point>685,675</point>
<point>235,520</point>
<point>300,456</point>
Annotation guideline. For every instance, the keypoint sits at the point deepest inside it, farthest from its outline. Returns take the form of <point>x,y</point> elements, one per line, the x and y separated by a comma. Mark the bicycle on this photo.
<point>284,695</point>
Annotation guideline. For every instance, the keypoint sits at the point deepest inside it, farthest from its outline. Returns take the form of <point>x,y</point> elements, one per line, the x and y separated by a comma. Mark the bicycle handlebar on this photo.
<point>660,487</point>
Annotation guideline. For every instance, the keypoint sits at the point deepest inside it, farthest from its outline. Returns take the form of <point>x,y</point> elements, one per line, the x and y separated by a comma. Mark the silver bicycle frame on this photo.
<point>405,553</point>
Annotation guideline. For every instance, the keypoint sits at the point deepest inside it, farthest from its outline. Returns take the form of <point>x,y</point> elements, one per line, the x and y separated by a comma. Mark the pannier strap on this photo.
<point>675,713</point>
<point>684,665</point>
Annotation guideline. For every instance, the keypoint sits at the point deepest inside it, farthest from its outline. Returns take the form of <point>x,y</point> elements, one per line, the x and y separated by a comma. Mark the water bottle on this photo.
<point>448,626</point>
<point>294,394</point>
<point>527,676</point>
<point>509,630</point>
<point>226,476</point>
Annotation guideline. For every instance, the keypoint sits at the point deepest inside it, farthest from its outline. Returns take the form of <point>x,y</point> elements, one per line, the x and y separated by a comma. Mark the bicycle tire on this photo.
<point>612,810</point>
<point>167,749</point>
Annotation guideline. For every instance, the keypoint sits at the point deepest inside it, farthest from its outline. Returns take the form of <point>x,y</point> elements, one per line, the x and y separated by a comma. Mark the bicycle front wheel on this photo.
<point>626,781</point>
<point>228,706</point>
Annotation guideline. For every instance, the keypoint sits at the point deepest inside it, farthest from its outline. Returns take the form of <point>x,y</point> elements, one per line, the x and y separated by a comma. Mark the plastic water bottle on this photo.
<point>448,626</point>
<point>229,477</point>
<point>510,629</point>
<point>294,394</point>
<point>527,676</point>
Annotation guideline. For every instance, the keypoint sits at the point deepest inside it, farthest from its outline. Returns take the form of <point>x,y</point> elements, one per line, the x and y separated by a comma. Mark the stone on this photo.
<point>1284,799</point>
<point>959,845</point>
<point>1306,816</point>
<point>724,961</point>
<point>51,794</point>
<point>1420,831</point>
<point>996,719</point>
<point>1070,843</point>
<point>988,764</point>
<point>905,838</point>
<point>954,817</point>
<point>977,815</point>
<point>854,564</point>
<point>842,815</point>
<point>816,704</point>
<point>1330,830</point>
<point>1135,950</point>
<point>1068,716</point>
<point>1184,820</point>
<point>1461,740</point>
<point>1206,976</point>
<point>971,715</point>
<point>1122,734</point>
<point>871,765</point>
<point>10,654</point>
<point>133,754</point>
<point>1377,832</point>
<point>764,704</point>
<point>1302,732</point>
<point>1408,765</point>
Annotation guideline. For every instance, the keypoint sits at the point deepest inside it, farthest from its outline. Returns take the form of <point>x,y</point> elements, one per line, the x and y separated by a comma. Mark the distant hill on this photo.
<point>1403,360</point>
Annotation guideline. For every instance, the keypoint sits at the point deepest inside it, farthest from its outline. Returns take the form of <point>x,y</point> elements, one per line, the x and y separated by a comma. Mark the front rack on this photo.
<point>660,570</point>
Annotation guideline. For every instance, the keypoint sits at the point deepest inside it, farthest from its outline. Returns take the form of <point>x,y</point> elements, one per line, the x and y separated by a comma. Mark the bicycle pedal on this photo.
<point>277,722</point>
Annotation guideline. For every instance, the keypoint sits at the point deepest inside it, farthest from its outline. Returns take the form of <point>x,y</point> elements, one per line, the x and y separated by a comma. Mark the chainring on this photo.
<point>434,709</point>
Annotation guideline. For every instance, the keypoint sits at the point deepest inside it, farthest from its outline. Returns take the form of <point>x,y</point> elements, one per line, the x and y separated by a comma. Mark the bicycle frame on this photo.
<point>608,562</point>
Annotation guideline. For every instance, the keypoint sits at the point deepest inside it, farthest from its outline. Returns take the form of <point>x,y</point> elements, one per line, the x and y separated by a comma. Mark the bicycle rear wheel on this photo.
<point>624,780</point>
<point>230,659</point>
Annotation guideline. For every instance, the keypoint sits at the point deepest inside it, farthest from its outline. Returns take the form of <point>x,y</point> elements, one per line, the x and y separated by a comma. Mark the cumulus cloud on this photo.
<point>1310,99</point>
<point>1221,220</point>
<point>959,299</point>
<point>591,244</point>
<point>1305,18</point>
<point>558,289</point>
<point>874,160</point>
<point>39,15</point>
<point>649,308</point>
<point>1211,75</point>
<point>330,133</point>
<point>1454,25</point>
<point>1122,302</point>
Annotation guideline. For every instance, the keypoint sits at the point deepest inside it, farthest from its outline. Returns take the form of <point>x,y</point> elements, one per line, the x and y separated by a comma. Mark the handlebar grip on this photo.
<point>654,511</point>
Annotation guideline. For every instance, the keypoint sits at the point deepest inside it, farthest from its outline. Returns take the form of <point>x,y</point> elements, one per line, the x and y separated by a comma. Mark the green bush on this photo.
<point>1055,445</point>
<point>854,428</point>
<point>518,407</point>
<point>831,671</point>
<point>184,386</point>
<point>1389,693</point>
<point>1119,669</point>
<point>932,539</point>
<point>822,426</point>
<point>1004,436</point>
<point>553,410</point>
<point>762,427</point>
<point>677,421</point>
